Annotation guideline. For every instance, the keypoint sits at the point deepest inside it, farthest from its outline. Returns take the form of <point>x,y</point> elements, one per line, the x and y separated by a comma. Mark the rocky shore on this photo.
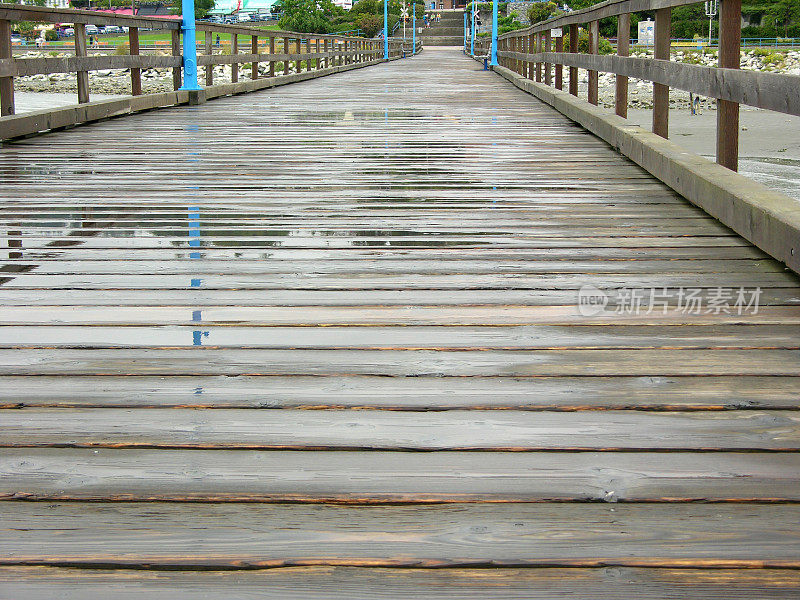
<point>640,93</point>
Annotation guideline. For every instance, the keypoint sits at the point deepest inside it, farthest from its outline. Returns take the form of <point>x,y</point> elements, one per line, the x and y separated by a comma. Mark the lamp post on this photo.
<point>493,61</point>
<point>711,12</point>
<point>472,35</point>
<point>189,47</point>
<point>413,29</point>
<point>385,29</point>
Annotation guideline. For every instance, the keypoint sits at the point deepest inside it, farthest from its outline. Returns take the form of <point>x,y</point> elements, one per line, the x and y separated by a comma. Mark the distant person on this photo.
<point>217,40</point>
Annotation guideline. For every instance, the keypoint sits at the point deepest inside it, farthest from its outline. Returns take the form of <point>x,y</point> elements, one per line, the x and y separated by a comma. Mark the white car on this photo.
<point>92,30</point>
<point>243,18</point>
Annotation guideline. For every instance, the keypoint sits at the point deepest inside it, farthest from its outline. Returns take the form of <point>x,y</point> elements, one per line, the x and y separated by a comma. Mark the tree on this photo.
<point>308,16</point>
<point>784,13</point>
<point>541,11</point>
<point>201,8</point>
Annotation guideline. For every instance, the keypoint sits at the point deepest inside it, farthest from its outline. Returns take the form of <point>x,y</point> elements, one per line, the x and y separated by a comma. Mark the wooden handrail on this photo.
<point>309,51</point>
<point>726,83</point>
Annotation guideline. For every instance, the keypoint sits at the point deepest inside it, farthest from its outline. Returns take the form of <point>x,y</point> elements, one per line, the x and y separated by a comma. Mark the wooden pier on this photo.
<point>327,340</point>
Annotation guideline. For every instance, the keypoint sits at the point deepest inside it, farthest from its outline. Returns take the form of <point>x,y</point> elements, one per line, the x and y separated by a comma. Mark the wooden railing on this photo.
<point>538,54</point>
<point>285,52</point>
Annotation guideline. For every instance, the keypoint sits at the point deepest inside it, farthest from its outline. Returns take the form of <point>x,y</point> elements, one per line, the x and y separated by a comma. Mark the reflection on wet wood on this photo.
<point>168,279</point>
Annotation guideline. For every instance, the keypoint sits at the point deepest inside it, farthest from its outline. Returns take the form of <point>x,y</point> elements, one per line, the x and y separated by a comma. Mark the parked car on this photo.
<point>16,39</point>
<point>68,31</point>
<point>243,18</point>
<point>92,30</point>
<point>112,29</point>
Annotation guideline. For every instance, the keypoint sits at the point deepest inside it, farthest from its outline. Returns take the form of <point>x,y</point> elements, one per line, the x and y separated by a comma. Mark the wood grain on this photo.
<point>245,536</point>
<point>381,430</point>
<point>326,583</point>
<point>331,326</point>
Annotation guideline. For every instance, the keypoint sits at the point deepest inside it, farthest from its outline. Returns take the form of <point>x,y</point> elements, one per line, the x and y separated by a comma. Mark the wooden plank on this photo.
<point>19,12</point>
<point>610,337</point>
<point>389,266</point>
<point>188,536</point>
<point>566,321</point>
<point>407,363</point>
<point>317,583</point>
<point>390,281</point>
<point>427,393</point>
<point>495,431</point>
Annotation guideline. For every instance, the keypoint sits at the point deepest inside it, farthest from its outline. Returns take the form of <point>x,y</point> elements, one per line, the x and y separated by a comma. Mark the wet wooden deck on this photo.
<point>196,301</point>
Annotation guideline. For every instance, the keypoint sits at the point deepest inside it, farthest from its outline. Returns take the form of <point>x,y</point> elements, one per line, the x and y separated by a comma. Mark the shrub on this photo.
<point>122,49</point>
<point>604,45</point>
<point>50,35</point>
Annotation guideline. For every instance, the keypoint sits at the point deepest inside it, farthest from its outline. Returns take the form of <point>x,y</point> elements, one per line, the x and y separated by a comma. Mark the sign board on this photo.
<point>646,32</point>
<point>554,33</point>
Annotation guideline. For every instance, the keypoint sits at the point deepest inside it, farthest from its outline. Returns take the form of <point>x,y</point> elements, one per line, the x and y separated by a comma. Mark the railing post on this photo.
<point>234,52</point>
<point>523,41</point>
<point>594,48</point>
<point>623,49</point>
<point>573,48</point>
<point>730,39</point>
<point>286,52</point>
<point>272,51</point>
<point>6,83</point>
<point>559,66</point>
<point>80,50</point>
<point>538,60</point>
<point>531,50</point>
<point>308,51</point>
<point>548,74</point>
<point>189,46</point>
<point>254,50</point>
<point>661,92</point>
<point>176,51</point>
<point>318,61</point>
<point>136,73</point>
<point>209,51</point>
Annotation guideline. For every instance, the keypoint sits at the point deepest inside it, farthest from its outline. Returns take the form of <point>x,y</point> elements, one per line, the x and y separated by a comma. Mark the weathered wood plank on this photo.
<point>450,430</point>
<point>196,331</point>
<point>405,393</point>
<point>236,536</point>
<point>405,363</point>
<point>327,583</point>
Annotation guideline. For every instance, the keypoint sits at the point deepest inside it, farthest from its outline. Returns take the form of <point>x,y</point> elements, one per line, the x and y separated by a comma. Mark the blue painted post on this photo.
<point>385,29</point>
<point>493,62</point>
<point>189,47</point>
<point>414,29</point>
<point>472,37</point>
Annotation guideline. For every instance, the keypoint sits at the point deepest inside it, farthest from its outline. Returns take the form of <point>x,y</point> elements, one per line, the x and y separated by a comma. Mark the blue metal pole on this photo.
<point>493,62</point>
<point>414,29</point>
<point>189,46</point>
<point>472,36</point>
<point>386,29</point>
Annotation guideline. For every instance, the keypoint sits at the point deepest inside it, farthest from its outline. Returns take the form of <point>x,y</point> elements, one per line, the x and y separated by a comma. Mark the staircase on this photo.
<point>447,32</point>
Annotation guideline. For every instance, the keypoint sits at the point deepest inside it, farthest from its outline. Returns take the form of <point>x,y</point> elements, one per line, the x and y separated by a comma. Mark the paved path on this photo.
<point>412,239</point>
